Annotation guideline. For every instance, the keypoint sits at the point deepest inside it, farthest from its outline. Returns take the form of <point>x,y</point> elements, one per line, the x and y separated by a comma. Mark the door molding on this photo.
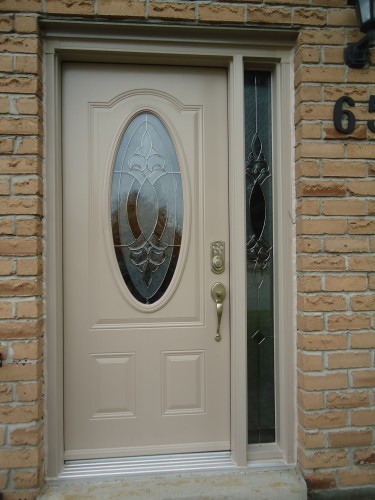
<point>231,48</point>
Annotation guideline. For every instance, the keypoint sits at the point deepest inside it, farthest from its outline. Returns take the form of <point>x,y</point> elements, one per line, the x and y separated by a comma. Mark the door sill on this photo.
<point>130,466</point>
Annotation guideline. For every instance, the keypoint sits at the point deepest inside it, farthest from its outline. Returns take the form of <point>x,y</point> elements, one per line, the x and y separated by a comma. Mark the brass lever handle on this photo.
<point>218,294</point>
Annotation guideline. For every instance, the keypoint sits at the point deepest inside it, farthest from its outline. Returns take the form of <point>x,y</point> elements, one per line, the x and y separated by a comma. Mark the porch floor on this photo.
<point>251,484</point>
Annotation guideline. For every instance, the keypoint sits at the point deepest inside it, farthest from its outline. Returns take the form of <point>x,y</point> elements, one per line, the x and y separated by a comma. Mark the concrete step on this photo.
<point>250,484</point>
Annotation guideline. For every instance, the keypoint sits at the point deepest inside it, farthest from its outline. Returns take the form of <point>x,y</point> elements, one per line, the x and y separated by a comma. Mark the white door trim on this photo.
<point>224,47</point>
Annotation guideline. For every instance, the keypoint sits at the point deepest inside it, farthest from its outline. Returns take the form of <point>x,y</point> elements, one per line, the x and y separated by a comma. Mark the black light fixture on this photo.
<point>357,54</point>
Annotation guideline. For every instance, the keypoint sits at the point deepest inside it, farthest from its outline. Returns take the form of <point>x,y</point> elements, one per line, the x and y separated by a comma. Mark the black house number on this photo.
<point>344,119</point>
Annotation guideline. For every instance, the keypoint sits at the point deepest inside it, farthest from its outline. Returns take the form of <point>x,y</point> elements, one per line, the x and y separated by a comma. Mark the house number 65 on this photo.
<point>344,119</point>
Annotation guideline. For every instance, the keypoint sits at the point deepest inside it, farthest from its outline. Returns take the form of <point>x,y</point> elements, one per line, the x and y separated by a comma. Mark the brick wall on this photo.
<point>335,227</point>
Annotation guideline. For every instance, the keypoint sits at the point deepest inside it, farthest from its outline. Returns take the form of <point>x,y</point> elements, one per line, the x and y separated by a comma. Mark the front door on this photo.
<point>145,198</point>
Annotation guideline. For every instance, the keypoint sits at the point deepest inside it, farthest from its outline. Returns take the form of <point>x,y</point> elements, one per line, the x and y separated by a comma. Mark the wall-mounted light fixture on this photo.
<point>357,54</point>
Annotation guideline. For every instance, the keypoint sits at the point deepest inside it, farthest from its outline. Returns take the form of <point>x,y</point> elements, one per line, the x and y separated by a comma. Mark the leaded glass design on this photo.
<point>147,207</point>
<point>259,241</point>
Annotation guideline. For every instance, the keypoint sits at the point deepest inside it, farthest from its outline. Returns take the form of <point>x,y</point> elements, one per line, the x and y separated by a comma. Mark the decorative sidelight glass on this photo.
<point>259,243</point>
<point>147,207</point>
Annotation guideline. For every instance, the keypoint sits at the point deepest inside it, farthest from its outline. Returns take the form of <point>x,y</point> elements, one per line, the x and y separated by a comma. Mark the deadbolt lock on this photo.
<point>218,257</point>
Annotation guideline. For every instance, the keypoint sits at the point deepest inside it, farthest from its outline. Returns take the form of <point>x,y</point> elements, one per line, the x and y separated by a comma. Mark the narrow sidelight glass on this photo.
<point>147,207</point>
<point>259,244</point>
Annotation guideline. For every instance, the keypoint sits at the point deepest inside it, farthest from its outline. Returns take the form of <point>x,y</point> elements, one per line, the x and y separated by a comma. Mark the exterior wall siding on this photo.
<point>335,191</point>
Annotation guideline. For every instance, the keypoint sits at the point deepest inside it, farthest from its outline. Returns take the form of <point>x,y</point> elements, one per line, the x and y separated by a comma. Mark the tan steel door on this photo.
<point>142,379</point>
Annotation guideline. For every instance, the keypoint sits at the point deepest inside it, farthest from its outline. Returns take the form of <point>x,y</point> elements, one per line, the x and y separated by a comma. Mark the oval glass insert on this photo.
<point>147,208</point>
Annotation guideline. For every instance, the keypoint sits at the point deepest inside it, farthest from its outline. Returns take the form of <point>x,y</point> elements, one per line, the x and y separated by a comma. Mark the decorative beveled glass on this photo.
<point>147,207</point>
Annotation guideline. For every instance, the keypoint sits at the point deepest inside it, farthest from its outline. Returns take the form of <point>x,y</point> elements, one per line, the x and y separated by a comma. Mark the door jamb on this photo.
<point>69,41</point>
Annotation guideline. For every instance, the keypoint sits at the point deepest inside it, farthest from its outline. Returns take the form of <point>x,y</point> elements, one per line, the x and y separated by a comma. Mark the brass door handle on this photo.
<point>218,294</point>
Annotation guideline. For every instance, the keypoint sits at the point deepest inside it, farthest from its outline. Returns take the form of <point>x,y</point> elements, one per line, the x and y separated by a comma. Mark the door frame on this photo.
<point>233,49</point>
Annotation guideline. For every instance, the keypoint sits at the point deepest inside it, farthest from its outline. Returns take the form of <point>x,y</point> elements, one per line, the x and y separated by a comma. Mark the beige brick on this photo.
<point>19,165</point>
<point>322,342</point>
<point>357,477</point>
<point>308,131</point>
<point>310,362</point>
<point>29,436</point>
<point>309,323</point>
<point>362,188</point>
<point>4,105</point>
<point>321,226</point>
<point>344,207</point>
<point>308,245</point>
<point>26,480</point>
<point>322,459</point>
<point>347,399</point>
<point>30,146</point>
<point>318,74</point>
<point>321,188</point>
<point>27,185</point>
<point>315,111</point>
<point>324,36</point>
<point>320,481</point>
<point>29,392</point>
<point>361,226</point>
<point>27,64</point>
<point>360,263</point>
<point>19,414</point>
<point>6,144</point>
<point>70,7</point>
<point>363,302</point>
<point>307,168</point>
<point>320,150</point>
<point>6,226</point>
<point>362,341</point>
<point>175,11</point>
<point>20,44</point>
<point>363,378</point>
<point>308,93</point>
<point>215,13</point>
<point>363,417</point>
<point>19,330</point>
<point>20,288</point>
<point>29,309</point>
<point>26,24</point>
<point>307,55</point>
<point>6,24</point>
<point>333,55</point>
<point>6,310</point>
<point>6,393</point>
<point>310,17</point>
<point>346,245</point>
<point>308,207</point>
<point>26,457</point>
<point>350,438</point>
<point>29,267</point>
<point>20,372</point>
<point>345,283</point>
<point>310,401</point>
<point>310,440</point>
<point>326,381</point>
<point>20,126</point>
<point>309,283</point>
<point>6,267</point>
<point>323,420</point>
<point>331,168</point>
<point>349,360</point>
<point>348,322</point>
<point>18,205</point>
<point>122,8</point>
<point>20,5</point>
<point>371,282</point>
<point>26,350</point>
<point>317,303</point>
<point>28,106</point>
<point>358,151</point>
<point>31,226</point>
<point>6,66</point>
<point>315,263</point>
<point>20,246</point>
<point>360,93</point>
<point>264,15</point>
<point>4,186</point>
<point>364,457</point>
